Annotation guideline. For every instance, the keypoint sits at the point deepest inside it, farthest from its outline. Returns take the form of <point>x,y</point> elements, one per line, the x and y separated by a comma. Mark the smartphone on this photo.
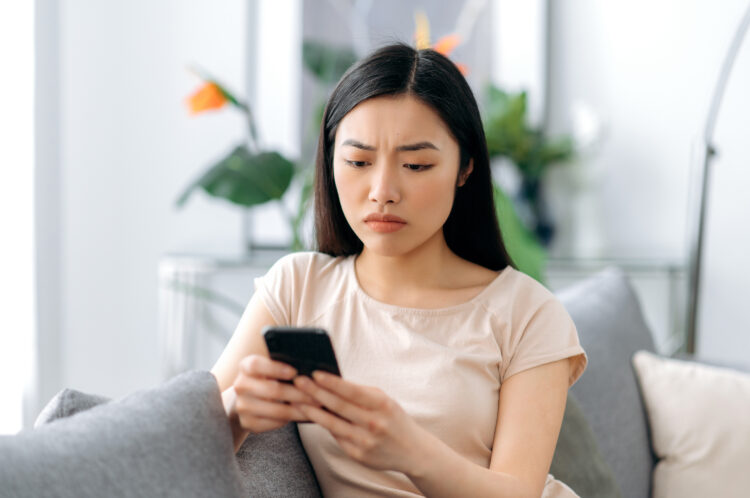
<point>306,349</point>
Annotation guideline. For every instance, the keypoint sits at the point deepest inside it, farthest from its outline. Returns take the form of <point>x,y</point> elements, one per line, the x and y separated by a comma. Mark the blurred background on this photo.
<point>156,155</point>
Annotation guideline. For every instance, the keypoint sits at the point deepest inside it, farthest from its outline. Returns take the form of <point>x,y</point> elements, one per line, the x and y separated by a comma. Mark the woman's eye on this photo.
<point>418,167</point>
<point>356,164</point>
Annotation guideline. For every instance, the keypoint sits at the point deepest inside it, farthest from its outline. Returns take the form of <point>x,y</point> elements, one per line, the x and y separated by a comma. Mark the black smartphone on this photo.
<point>306,349</point>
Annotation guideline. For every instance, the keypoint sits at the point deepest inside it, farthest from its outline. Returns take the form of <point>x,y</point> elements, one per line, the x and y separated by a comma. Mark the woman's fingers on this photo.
<point>262,366</point>
<point>260,408</point>
<point>272,390</point>
<point>367,397</point>
<point>339,427</point>
<point>332,401</point>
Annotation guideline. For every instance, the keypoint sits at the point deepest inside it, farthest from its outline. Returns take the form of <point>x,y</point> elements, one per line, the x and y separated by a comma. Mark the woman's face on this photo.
<point>394,156</point>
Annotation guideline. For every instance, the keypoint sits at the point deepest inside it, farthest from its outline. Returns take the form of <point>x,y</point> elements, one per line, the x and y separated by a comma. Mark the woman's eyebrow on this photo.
<point>405,148</point>
<point>417,146</point>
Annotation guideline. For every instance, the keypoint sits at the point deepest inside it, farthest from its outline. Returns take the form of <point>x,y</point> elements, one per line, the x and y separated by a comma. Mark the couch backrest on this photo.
<point>611,328</point>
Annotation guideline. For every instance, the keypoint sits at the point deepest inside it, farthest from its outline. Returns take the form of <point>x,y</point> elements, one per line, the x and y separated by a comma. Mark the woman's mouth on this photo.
<point>385,226</point>
<point>384,223</point>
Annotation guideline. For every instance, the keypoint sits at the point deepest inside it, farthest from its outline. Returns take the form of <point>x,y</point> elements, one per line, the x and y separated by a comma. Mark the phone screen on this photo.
<point>306,349</point>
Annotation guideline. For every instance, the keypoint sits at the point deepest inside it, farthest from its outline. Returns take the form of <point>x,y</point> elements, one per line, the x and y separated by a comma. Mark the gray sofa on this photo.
<point>173,440</point>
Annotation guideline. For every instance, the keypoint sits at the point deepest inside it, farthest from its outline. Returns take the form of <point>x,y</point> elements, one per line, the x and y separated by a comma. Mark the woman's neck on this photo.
<point>426,267</point>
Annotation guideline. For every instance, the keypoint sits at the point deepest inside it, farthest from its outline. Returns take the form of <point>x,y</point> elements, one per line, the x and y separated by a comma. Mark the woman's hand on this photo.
<point>263,401</point>
<point>368,425</point>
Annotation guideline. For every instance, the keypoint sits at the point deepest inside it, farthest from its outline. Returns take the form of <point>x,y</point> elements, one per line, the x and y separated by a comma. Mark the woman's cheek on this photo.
<point>347,191</point>
<point>436,200</point>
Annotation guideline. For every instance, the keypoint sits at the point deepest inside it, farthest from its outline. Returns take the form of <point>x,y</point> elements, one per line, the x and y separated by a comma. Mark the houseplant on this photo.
<point>248,175</point>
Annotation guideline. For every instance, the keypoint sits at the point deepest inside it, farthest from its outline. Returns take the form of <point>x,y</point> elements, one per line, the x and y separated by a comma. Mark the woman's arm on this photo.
<point>245,340</point>
<point>374,430</point>
<point>252,398</point>
<point>529,417</point>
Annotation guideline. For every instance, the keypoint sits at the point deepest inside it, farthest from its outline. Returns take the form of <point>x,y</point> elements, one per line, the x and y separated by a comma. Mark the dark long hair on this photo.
<point>471,230</point>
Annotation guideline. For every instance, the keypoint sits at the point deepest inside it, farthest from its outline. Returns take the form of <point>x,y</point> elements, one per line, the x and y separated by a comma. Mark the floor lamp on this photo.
<point>707,153</point>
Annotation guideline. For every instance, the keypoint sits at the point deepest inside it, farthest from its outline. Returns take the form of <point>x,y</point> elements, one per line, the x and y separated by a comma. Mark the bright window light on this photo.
<point>17,289</point>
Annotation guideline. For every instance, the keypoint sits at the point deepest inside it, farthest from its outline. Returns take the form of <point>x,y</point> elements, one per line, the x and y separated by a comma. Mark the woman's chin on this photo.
<point>390,248</point>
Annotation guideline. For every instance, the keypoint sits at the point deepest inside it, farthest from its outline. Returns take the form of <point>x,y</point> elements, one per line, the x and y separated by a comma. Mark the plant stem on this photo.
<point>252,133</point>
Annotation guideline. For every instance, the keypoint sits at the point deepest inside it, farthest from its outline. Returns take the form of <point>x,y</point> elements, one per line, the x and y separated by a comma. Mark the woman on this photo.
<point>426,314</point>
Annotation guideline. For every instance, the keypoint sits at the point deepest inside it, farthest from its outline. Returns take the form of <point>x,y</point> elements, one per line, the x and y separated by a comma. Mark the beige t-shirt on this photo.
<point>443,366</point>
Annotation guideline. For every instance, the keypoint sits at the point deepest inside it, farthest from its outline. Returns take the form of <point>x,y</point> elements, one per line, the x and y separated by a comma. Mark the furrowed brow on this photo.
<point>417,146</point>
<point>357,144</point>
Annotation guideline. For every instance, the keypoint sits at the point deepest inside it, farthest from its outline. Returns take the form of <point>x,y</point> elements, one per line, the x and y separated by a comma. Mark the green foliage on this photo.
<point>244,178</point>
<point>509,135</point>
<point>524,249</point>
<point>325,62</point>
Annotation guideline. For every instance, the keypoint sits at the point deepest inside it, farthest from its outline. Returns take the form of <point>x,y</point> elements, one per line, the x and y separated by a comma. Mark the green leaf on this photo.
<point>523,248</point>
<point>326,62</point>
<point>228,95</point>
<point>505,123</point>
<point>558,150</point>
<point>509,135</point>
<point>245,179</point>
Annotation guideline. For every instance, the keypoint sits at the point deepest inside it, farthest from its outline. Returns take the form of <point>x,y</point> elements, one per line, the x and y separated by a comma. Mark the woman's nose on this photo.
<point>384,188</point>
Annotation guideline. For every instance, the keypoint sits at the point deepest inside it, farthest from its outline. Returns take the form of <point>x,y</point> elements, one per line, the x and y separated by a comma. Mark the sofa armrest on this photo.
<point>171,440</point>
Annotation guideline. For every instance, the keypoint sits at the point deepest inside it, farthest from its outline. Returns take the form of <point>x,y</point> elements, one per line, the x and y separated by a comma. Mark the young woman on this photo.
<point>455,366</point>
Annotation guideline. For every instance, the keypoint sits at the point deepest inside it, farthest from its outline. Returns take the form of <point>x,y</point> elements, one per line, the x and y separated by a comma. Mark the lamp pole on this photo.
<point>703,176</point>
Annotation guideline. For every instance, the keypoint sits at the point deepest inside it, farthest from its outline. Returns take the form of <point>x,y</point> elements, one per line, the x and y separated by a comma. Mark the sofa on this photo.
<point>174,440</point>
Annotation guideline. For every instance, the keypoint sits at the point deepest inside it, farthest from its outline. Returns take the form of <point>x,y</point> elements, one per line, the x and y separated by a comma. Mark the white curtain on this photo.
<point>17,248</point>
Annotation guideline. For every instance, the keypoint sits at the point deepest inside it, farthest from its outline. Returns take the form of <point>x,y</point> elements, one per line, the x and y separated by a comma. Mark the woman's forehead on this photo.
<point>396,120</point>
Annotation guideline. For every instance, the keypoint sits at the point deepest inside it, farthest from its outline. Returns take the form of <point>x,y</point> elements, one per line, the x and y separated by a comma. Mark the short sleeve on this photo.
<point>547,335</point>
<point>278,288</point>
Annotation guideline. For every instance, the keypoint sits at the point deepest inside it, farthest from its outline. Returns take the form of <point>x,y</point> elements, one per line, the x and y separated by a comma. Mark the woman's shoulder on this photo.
<point>515,291</point>
<point>302,283</point>
<point>309,269</point>
<point>303,262</point>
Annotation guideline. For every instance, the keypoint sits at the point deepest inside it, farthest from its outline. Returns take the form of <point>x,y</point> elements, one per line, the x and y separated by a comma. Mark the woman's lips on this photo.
<point>385,226</point>
<point>384,222</point>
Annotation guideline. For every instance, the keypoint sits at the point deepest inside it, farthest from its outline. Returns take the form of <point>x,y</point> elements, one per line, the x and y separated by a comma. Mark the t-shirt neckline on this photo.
<point>421,311</point>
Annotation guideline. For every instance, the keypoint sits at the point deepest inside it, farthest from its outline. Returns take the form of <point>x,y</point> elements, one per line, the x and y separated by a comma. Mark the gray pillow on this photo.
<point>66,403</point>
<point>611,328</point>
<point>577,461</point>
<point>272,464</point>
<point>171,440</point>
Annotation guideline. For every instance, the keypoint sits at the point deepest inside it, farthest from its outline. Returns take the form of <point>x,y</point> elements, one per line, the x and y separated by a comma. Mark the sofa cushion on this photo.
<point>577,461</point>
<point>272,463</point>
<point>171,440</point>
<point>611,329</point>
<point>66,403</point>
<point>698,416</point>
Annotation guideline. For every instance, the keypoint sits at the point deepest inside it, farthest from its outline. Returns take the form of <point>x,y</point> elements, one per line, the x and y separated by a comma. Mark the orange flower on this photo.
<point>444,45</point>
<point>207,97</point>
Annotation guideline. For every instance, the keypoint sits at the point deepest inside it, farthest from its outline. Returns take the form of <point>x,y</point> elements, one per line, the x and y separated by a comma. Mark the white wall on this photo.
<point>128,148</point>
<point>648,68</point>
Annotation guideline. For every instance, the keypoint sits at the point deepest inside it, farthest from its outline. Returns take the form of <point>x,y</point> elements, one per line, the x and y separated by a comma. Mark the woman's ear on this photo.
<point>464,175</point>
